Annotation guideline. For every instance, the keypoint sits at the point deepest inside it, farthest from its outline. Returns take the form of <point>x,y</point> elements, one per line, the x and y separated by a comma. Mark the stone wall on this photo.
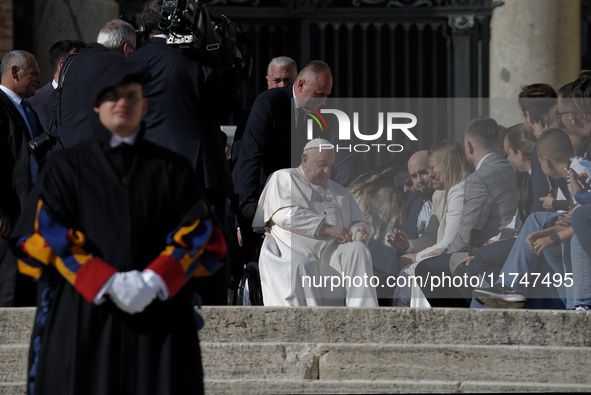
<point>68,19</point>
<point>532,41</point>
<point>6,27</point>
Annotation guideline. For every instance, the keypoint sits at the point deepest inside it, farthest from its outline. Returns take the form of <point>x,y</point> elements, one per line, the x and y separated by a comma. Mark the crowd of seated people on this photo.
<point>503,229</point>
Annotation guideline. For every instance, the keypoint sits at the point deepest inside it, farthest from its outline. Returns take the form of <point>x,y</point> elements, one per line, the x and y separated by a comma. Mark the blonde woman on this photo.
<point>448,170</point>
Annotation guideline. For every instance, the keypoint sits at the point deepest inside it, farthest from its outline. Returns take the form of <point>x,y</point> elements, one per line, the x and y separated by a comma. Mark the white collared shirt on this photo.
<point>116,141</point>
<point>482,160</point>
<point>16,100</point>
<point>295,99</point>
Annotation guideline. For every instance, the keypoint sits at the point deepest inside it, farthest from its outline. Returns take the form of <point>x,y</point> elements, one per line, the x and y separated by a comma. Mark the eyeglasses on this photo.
<point>560,114</point>
<point>408,183</point>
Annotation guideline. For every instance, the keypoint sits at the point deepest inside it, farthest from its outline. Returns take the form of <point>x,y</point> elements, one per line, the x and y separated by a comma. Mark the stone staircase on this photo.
<point>259,350</point>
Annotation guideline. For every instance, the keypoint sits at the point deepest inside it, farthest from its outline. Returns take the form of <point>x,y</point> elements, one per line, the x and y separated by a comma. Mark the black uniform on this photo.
<point>103,210</point>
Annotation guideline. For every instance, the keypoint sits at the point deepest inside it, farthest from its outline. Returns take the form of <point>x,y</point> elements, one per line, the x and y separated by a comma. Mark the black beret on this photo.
<point>117,74</point>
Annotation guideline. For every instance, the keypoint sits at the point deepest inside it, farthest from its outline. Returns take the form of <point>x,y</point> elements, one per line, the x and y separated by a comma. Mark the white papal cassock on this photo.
<point>299,267</point>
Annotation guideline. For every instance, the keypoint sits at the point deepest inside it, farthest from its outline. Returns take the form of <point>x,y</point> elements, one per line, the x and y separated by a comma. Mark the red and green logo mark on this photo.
<point>315,115</point>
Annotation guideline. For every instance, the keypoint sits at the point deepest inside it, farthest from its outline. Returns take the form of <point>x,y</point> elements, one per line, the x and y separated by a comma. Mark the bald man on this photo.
<point>419,227</point>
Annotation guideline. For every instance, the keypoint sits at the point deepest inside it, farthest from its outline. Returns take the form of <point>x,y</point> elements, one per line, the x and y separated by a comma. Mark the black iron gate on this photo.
<point>376,48</point>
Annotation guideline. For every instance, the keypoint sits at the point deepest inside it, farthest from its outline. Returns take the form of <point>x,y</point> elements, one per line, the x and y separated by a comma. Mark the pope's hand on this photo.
<point>337,232</point>
<point>359,234</point>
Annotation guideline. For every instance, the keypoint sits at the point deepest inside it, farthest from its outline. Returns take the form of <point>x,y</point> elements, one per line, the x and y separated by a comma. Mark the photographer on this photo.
<point>187,101</point>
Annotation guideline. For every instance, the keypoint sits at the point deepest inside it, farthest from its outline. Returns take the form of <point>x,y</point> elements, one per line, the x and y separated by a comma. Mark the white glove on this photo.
<point>156,282</point>
<point>130,292</point>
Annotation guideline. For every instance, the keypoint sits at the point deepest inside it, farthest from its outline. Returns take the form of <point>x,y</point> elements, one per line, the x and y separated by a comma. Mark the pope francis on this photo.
<point>315,251</point>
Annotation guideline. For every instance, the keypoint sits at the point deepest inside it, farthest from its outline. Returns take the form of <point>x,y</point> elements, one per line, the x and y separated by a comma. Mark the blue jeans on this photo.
<point>522,260</point>
<point>581,222</point>
<point>580,254</point>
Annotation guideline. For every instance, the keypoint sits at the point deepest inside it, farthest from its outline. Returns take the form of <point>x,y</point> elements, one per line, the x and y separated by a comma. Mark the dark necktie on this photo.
<point>300,118</point>
<point>122,157</point>
<point>298,137</point>
<point>31,120</point>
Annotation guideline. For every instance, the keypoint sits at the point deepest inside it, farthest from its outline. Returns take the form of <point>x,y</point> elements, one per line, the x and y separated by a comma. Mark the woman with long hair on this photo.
<point>382,201</point>
<point>448,170</point>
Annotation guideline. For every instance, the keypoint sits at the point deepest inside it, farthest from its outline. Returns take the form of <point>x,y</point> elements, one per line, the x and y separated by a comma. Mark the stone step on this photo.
<point>14,388</point>
<point>273,387</point>
<point>16,325</point>
<point>13,362</point>
<point>261,350</point>
<point>334,361</point>
<point>387,325</point>
<point>390,325</point>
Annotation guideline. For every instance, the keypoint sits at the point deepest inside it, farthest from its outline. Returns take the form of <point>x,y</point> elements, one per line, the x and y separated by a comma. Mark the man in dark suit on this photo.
<point>281,72</point>
<point>267,142</point>
<point>75,116</point>
<point>20,76</point>
<point>187,102</point>
<point>58,53</point>
<point>490,202</point>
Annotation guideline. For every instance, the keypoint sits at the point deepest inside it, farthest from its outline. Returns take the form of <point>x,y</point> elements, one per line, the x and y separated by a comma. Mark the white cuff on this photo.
<point>411,247</point>
<point>154,281</point>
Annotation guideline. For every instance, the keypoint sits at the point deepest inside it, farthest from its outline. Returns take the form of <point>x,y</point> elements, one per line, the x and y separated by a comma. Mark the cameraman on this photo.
<point>187,102</point>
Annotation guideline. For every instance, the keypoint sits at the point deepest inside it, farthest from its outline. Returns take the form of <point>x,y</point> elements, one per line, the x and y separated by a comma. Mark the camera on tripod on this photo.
<point>212,40</point>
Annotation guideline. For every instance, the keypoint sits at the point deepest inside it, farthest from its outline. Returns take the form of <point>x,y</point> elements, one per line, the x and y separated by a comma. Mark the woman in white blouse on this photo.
<point>448,170</point>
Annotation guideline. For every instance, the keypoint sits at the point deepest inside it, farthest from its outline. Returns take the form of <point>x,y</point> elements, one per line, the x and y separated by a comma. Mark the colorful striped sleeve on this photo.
<point>193,250</point>
<point>52,244</point>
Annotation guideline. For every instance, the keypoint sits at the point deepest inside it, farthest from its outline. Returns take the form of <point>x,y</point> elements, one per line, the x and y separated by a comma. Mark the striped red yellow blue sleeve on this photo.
<point>193,250</point>
<point>52,244</point>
